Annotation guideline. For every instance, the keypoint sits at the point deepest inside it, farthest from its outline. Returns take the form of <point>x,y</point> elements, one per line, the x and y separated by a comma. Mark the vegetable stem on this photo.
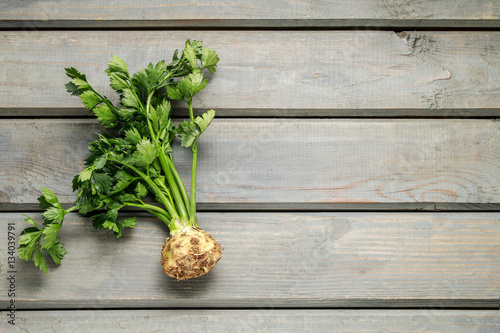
<point>69,210</point>
<point>158,192</point>
<point>162,186</point>
<point>157,211</point>
<point>180,183</point>
<point>194,149</point>
<point>148,103</point>
<point>149,207</point>
<point>179,201</point>
<point>190,105</point>
<point>173,186</point>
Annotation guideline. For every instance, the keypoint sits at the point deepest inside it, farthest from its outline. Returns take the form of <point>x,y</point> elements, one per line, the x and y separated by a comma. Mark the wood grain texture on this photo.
<point>276,260</point>
<point>241,14</point>
<point>271,73</point>
<point>362,321</point>
<point>265,163</point>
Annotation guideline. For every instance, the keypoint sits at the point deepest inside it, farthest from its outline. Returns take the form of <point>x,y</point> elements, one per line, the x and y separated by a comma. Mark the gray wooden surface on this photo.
<point>272,73</point>
<point>243,14</point>
<point>300,163</point>
<point>277,260</point>
<point>363,321</point>
<point>387,75</point>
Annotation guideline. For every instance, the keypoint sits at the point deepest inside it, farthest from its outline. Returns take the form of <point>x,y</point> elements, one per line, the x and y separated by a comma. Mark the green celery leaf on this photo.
<point>153,116</point>
<point>141,190</point>
<point>30,220</point>
<point>76,182</point>
<point>100,162</point>
<point>167,147</point>
<point>166,135</point>
<point>40,261</point>
<point>128,197</point>
<point>98,220</point>
<point>102,182</point>
<point>81,84</point>
<point>26,251</point>
<point>124,180</point>
<point>73,73</point>
<point>99,146</point>
<point>190,54</point>
<point>151,78</point>
<point>130,222</point>
<point>130,100</point>
<point>54,215</point>
<point>174,92</point>
<point>105,116</point>
<point>193,83</point>
<point>121,144</point>
<point>112,215</point>
<point>209,59</point>
<point>161,67</point>
<point>126,112</point>
<point>49,196</point>
<point>163,110</point>
<point>197,45</point>
<point>43,204</point>
<point>87,199</point>
<point>132,136</point>
<point>108,181</point>
<point>175,56</point>
<point>116,64</point>
<point>187,87</point>
<point>90,99</point>
<point>118,81</point>
<point>145,153</point>
<point>111,225</point>
<point>140,81</point>
<point>50,232</point>
<point>72,89</point>
<point>205,120</point>
<point>87,205</point>
<point>111,203</point>
<point>103,140</point>
<point>57,252</point>
<point>188,132</point>
<point>86,174</point>
<point>118,226</point>
<point>118,157</point>
<point>28,241</point>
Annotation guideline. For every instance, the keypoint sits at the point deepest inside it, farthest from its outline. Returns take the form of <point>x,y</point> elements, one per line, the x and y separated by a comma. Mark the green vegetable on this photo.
<point>132,158</point>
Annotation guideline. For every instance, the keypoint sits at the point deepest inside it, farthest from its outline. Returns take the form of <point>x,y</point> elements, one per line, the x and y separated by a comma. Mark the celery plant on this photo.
<point>132,158</point>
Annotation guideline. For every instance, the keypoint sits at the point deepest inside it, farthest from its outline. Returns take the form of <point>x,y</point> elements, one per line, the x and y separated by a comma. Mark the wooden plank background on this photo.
<point>292,260</point>
<point>283,163</point>
<point>337,124</point>
<point>272,73</point>
<point>244,14</point>
<point>260,321</point>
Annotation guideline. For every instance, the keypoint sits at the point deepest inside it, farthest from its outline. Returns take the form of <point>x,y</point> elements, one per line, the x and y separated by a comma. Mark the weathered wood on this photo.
<point>243,14</point>
<point>276,260</point>
<point>256,321</point>
<point>272,73</point>
<point>265,163</point>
